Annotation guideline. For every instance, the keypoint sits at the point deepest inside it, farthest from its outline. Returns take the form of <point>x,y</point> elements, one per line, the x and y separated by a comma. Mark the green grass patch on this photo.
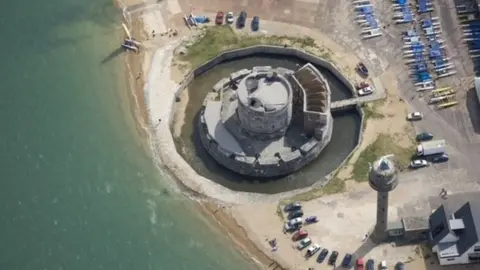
<point>370,110</point>
<point>221,38</point>
<point>383,145</point>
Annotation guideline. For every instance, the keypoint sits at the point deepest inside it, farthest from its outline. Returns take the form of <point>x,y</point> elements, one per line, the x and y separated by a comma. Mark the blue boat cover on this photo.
<point>371,21</point>
<point>439,62</point>
<point>427,23</point>
<point>422,6</point>
<point>201,19</point>
<point>436,53</point>
<point>366,10</point>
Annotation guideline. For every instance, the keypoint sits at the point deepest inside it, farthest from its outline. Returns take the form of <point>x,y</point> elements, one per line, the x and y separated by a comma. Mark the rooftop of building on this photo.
<point>264,90</point>
<point>455,224</point>
<point>415,223</point>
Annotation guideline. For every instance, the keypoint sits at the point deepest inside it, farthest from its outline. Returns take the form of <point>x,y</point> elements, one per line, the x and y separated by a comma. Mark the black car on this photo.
<point>292,207</point>
<point>333,258</point>
<point>400,266</point>
<point>441,158</point>
<point>347,260</point>
<point>295,214</point>
<point>323,254</point>
<point>242,18</point>
<point>256,23</point>
<point>370,264</point>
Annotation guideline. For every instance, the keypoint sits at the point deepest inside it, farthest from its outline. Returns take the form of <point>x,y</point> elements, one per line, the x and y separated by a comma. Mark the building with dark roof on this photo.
<point>455,236</point>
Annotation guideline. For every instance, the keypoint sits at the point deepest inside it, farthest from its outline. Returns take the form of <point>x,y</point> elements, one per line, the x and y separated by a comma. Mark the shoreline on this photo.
<point>138,71</point>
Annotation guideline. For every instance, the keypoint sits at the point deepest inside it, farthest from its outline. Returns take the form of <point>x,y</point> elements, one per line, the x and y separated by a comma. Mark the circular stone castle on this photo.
<point>267,122</point>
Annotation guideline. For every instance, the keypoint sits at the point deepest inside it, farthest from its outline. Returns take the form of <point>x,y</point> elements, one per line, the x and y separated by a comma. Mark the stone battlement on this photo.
<point>252,130</point>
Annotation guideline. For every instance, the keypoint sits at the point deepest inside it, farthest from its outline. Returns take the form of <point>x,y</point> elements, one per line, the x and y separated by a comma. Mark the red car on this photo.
<point>219,18</point>
<point>360,264</point>
<point>301,234</point>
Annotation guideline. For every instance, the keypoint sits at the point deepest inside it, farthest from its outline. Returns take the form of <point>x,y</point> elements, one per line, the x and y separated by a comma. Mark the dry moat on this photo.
<point>334,137</point>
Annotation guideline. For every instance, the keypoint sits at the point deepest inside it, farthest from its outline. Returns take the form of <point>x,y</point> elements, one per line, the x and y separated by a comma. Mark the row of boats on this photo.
<point>365,17</point>
<point>470,30</point>
<point>424,51</point>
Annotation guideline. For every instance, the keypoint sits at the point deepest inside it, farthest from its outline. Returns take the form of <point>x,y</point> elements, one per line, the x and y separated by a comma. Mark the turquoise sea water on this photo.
<point>77,188</point>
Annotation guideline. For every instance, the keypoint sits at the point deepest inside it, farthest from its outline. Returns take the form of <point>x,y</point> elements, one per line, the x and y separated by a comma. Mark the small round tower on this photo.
<point>383,178</point>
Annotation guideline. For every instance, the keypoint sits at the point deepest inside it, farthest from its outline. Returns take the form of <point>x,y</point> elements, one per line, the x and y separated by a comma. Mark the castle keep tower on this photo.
<point>383,179</point>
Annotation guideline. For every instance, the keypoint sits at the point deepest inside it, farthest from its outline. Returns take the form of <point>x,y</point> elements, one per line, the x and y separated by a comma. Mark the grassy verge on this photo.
<point>383,145</point>
<point>370,110</point>
<point>221,38</point>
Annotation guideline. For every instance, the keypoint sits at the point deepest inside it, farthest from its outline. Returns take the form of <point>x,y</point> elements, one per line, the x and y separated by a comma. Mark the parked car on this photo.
<point>441,158</point>
<point>242,18</point>
<point>311,219</point>
<point>414,116</point>
<point>383,265</point>
<point>400,266</point>
<point>312,250</point>
<point>347,260</point>
<point>362,69</point>
<point>333,258</point>
<point>360,264</point>
<point>292,207</point>
<point>301,234</point>
<point>370,264</point>
<point>304,243</point>
<point>365,91</point>
<point>293,224</point>
<point>295,214</point>
<point>418,163</point>
<point>256,23</point>
<point>219,18</point>
<point>230,17</point>
<point>424,136</point>
<point>321,257</point>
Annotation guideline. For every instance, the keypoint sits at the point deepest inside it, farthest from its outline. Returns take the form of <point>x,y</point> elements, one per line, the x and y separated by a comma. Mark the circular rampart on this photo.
<point>190,181</point>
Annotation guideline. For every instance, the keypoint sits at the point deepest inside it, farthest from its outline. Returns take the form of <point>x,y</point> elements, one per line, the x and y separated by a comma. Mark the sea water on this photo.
<point>77,188</point>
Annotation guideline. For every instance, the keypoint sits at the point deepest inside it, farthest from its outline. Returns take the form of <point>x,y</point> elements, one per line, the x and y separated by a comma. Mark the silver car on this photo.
<point>418,163</point>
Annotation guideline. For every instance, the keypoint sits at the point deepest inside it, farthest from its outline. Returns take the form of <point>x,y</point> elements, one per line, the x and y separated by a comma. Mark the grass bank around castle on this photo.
<point>218,39</point>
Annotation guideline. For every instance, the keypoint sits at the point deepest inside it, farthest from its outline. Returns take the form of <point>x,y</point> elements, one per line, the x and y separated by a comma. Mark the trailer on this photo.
<point>431,148</point>
<point>447,74</point>
<point>435,100</point>
<point>372,33</point>
<point>446,105</point>
<point>426,86</point>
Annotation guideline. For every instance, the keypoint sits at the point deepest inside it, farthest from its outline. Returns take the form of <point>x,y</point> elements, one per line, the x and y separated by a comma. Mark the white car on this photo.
<point>418,163</point>
<point>383,265</point>
<point>230,17</point>
<point>365,91</point>
<point>414,116</point>
<point>293,224</point>
<point>312,250</point>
